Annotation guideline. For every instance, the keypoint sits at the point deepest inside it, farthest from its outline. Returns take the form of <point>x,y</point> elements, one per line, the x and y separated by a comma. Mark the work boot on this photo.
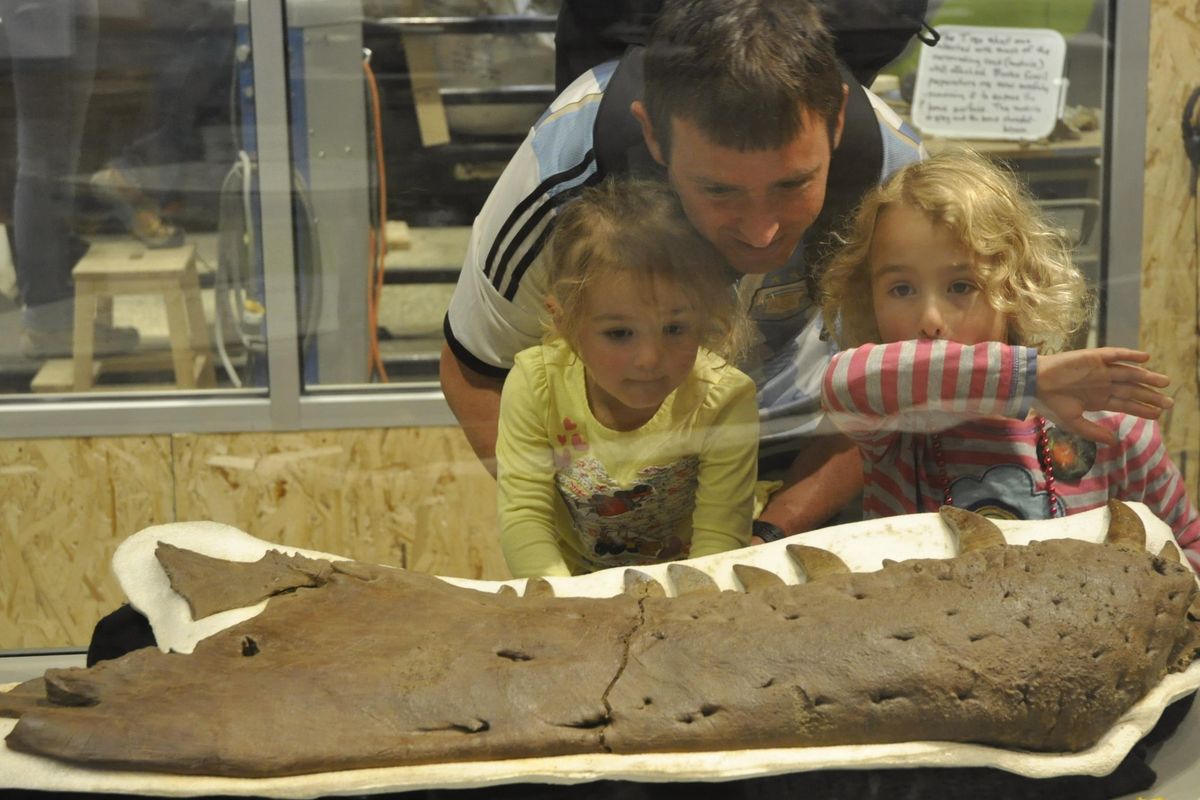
<point>39,345</point>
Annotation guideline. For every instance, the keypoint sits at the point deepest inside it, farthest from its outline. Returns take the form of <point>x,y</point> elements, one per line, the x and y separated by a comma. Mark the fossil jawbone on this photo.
<point>1038,647</point>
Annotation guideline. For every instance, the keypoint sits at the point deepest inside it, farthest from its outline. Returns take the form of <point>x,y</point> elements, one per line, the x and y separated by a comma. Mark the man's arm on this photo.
<point>827,474</point>
<point>475,401</point>
<point>497,305</point>
<point>825,477</point>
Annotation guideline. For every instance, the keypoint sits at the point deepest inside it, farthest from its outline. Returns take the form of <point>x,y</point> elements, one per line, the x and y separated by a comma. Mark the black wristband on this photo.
<point>766,531</point>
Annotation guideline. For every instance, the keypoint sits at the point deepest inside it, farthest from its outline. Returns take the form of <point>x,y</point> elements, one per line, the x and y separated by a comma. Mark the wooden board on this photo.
<point>1170,278</point>
<point>66,504</point>
<point>414,497</point>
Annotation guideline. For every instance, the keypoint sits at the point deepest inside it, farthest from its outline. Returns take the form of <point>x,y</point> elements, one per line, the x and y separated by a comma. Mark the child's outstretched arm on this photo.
<point>1099,379</point>
<point>874,391</point>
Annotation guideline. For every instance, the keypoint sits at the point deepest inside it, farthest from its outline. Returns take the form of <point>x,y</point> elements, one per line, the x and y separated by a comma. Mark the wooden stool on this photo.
<point>123,267</point>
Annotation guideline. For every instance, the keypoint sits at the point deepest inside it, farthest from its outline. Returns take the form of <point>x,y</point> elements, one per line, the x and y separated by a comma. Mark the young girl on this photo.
<point>628,437</point>
<point>972,400</point>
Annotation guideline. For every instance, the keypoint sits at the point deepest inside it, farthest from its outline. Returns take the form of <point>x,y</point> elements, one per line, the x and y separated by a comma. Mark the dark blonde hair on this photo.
<point>636,227</point>
<point>1023,263</point>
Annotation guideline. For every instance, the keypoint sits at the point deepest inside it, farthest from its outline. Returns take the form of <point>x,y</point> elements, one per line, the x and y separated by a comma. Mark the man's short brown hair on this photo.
<point>743,71</point>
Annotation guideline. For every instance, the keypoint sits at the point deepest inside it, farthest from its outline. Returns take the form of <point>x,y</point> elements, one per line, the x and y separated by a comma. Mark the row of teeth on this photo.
<point>812,563</point>
<point>970,532</point>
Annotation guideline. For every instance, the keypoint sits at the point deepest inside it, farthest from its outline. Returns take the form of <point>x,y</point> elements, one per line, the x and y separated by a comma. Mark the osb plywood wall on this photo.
<point>65,504</point>
<point>1170,317</point>
<point>413,497</point>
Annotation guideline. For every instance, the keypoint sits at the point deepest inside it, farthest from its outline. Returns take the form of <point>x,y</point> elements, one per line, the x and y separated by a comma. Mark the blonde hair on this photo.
<point>635,227</point>
<point>1023,264</point>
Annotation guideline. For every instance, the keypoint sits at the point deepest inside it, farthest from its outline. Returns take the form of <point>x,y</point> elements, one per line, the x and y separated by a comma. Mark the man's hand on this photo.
<point>1100,379</point>
<point>824,477</point>
<point>475,401</point>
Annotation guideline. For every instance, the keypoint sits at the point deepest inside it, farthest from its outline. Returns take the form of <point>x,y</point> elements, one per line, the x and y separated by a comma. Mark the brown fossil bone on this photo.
<point>755,579</point>
<point>639,584</point>
<point>689,580</point>
<point>213,585</point>
<point>1039,647</point>
<point>1168,552</point>
<point>1125,528</point>
<point>815,563</point>
<point>971,531</point>
<point>538,588</point>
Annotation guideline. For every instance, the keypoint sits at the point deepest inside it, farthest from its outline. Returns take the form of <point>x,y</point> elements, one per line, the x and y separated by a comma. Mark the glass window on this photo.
<point>401,123</point>
<point>128,200</point>
<point>394,119</point>
<point>1039,65</point>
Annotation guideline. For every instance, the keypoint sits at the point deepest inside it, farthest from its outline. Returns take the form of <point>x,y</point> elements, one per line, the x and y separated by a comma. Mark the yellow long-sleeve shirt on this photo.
<point>576,496</point>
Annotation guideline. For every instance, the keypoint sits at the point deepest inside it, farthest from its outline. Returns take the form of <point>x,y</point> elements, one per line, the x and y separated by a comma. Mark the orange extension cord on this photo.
<point>377,235</point>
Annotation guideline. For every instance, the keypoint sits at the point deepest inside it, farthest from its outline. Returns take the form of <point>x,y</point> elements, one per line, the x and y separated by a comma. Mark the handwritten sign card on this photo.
<point>990,83</point>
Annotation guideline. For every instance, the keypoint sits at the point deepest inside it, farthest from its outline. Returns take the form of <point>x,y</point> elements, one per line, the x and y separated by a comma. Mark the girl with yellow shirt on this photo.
<point>628,437</point>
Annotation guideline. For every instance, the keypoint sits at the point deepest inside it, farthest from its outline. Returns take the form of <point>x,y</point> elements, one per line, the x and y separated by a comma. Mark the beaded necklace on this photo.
<point>1043,453</point>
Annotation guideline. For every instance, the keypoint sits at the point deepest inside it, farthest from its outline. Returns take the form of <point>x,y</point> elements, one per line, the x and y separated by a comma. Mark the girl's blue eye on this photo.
<point>901,290</point>
<point>675,329</point>
<point>618,334</point>
<point>962,287</point>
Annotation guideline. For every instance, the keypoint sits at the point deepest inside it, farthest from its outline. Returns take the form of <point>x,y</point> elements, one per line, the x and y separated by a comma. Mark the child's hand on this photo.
<point>1101,379</point>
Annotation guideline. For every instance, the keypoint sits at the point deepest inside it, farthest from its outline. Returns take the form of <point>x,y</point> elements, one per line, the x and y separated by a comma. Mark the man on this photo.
<point>743,107</point>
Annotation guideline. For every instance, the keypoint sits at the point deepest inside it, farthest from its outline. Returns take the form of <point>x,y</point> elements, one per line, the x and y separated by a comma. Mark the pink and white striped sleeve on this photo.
<point>926,385</point>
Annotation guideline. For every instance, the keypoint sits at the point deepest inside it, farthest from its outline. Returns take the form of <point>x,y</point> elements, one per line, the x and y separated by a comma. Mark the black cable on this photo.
<point>1191,137</point>
<point>1190,127</point>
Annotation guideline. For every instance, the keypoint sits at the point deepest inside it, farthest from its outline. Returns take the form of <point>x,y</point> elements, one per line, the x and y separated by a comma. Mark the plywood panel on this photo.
<point>1170,317</point>
<point>65,504</point>
<point>413,497</point>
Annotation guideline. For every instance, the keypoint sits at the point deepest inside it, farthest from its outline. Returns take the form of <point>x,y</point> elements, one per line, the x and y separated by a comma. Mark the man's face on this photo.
<point>753,206</point>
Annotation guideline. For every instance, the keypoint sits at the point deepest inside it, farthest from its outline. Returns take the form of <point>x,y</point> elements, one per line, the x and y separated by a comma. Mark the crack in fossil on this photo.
<point>626,645</point>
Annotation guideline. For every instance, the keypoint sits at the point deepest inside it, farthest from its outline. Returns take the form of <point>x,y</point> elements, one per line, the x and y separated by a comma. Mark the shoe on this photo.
<point>140,214</point>
<point>39,345</point>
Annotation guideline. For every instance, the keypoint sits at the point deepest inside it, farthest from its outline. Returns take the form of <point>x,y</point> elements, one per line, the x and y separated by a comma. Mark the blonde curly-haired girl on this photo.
<point>958,301</point>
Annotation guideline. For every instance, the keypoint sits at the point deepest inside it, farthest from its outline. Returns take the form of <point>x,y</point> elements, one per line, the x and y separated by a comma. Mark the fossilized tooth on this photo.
<point>971,531</point>
<point>538,587</point>
<point>689,580</point>
<point>815,563</point>
<point>755,579</point>
<point>942,650</point>
<point>506,590</point>
<point>1169,552</point>
<point>639,584</point>
<point>1125,528</point>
